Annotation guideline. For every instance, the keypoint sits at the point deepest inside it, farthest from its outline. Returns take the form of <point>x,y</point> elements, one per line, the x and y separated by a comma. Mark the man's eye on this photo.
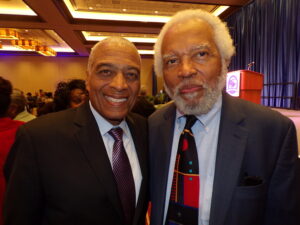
<point>132,76</point>
<point>105,73</point>
<point>171,61</point>
<point>202,54</point>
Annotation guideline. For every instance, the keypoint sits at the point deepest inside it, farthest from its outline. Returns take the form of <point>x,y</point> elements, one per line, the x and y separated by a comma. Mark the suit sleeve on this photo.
<point>283,206</point>
<point>23,200</point>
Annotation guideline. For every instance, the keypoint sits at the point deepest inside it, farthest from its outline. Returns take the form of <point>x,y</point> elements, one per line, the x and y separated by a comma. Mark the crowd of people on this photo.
<point>204,158</point>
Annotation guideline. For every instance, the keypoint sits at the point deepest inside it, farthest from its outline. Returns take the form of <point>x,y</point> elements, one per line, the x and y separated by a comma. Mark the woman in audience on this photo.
<point>67,95</point>
<point>8,128</point>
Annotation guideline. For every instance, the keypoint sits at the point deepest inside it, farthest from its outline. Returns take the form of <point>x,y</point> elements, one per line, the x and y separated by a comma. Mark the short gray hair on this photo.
<point>221,35</point>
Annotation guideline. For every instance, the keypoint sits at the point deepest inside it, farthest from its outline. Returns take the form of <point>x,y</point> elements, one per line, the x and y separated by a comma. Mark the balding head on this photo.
<point>118,42</point>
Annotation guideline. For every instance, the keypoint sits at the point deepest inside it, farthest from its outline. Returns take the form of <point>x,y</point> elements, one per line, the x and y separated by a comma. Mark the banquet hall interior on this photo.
<point>46,42</point>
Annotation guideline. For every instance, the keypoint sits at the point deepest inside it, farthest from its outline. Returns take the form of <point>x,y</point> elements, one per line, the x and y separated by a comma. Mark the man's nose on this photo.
<point>119,82</point>
<point>187,68</point>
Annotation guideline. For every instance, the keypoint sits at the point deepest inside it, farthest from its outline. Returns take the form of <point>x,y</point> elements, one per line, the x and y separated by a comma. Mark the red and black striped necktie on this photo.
<point>184,199</point>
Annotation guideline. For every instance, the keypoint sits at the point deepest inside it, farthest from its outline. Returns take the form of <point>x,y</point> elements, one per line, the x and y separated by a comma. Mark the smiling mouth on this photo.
<point>116,100</point>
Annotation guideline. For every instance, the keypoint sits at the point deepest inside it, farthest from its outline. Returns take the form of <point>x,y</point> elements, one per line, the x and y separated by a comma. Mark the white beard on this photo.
<point>198,106</point>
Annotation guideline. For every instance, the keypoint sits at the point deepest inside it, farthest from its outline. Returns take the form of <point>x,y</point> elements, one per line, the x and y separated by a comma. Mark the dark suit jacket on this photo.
<point>255,171</point>
<point>59,172</point>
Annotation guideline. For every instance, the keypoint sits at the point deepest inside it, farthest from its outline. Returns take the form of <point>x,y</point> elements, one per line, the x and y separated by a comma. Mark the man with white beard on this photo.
<point>215,159</point>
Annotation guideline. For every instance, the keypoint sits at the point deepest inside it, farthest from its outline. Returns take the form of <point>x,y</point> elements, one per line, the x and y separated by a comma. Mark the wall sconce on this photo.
<point>6,33</point>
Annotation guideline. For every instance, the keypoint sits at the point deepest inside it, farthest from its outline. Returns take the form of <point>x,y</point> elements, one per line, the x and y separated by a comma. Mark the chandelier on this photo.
<point>45,50</point>
<point>25,44</point>
<point>6,33</point>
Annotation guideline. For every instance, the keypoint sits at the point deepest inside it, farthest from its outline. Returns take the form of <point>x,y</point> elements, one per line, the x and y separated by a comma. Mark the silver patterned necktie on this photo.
<point>123,175</point>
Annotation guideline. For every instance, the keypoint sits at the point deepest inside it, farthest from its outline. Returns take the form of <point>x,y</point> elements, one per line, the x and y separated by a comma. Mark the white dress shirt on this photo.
<point>206,132</point>
<point>104,127</point>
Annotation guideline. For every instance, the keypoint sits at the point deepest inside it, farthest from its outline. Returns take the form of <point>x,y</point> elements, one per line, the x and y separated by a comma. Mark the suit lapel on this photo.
<point>165,136</point>
<point>91,143</point>
<point>230,153</point>
<point>140,147</point>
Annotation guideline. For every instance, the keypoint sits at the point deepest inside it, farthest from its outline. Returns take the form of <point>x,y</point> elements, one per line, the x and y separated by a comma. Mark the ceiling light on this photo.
<point>62,49</point>
<point>220,10</point>
<point>137,39</point>
<point>12,48</point>
<point>45,50</point>
<point>13,10</point>
<point>132,39</point>
<point>6,33</point>
<point>146,52</point>
<point>124,16</point>
<point>115,16</point>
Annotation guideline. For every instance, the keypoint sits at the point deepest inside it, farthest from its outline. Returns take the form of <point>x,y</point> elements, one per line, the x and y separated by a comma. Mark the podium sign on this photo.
<point>245,84</point>
<point>233,83</point>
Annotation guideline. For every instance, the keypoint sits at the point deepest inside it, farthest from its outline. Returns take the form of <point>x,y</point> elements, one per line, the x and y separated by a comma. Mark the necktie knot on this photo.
<point>116,133</point>
<point>190,121</point>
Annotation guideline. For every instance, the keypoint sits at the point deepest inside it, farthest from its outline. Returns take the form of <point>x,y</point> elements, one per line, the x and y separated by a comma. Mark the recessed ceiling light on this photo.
<point>132,39</point>
<point>146,52</point>
<point>124,16</point>
<point>220,10</point>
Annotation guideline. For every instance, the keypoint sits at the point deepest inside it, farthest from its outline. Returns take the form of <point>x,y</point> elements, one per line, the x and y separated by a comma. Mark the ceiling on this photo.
<point>72,27</point>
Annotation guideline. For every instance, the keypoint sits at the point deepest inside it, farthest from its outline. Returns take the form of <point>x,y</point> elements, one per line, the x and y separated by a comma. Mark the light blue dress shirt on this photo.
<point>206,132</point>
<point>104,127</point>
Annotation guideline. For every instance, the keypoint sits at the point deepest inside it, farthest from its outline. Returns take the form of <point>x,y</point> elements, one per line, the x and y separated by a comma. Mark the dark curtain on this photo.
<point>267,32</point>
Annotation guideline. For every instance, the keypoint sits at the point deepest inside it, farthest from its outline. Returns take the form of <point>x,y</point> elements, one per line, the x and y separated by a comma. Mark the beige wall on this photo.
<point>31,73</point>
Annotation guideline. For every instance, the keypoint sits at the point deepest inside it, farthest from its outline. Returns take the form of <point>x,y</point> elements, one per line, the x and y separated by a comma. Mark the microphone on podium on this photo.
<point>250,65</point>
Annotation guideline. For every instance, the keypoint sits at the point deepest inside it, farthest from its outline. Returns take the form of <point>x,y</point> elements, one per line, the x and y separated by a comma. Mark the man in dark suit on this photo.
<point>75,166</point>
<point>245,154</point>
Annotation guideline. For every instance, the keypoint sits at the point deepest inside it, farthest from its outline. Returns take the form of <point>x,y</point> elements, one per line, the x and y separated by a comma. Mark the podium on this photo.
<point>245,84</point>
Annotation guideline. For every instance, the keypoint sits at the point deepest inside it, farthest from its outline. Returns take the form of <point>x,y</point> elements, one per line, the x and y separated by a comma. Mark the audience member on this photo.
<point>77,93</point>
<point>8,128</point>
<point>142,106</point>
<point>40,98</point>
<point>31,102</point>
<point>17,109</point>
<point>67,95</point>
<point>48,97</point>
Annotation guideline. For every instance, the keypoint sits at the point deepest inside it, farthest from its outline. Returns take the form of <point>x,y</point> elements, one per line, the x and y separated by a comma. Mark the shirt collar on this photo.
<point>104,125</point>
<point>204,119</point>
